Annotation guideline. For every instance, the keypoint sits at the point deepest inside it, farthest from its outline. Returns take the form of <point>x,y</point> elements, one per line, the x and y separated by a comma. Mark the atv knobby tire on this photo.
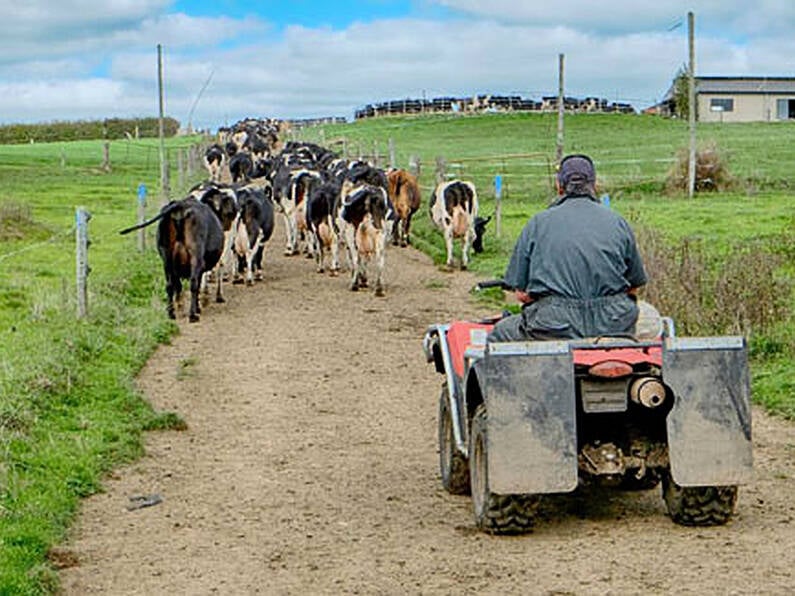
<point>453,466</point>
<point>698,505</point>
<point>496,514</point>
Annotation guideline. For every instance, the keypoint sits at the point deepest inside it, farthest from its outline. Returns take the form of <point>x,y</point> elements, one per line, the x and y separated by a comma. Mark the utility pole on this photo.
<point>164,189</point>
<point>691,102</point>
<point>559,148</point>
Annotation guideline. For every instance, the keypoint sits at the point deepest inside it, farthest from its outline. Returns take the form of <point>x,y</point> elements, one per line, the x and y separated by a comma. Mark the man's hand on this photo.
<point>523,297</point>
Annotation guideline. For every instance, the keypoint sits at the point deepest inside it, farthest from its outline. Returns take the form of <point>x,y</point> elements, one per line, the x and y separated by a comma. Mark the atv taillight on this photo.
<point>610,369</point>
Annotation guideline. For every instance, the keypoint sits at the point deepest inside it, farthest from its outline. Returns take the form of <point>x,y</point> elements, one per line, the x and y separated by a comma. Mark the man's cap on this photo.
<point>576,168</point>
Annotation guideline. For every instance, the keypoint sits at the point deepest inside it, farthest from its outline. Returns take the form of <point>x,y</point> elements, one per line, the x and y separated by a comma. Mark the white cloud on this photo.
<point>304,71</point>
<point>762,17</point>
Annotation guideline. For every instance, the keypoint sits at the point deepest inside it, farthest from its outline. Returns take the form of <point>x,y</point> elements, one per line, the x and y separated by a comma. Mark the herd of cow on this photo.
<point>329,204</point>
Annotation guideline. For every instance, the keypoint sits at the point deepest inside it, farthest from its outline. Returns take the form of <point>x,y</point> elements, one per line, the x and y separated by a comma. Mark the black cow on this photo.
<point>190,242</point>
<point>240,166</point>
<point>480,229</point>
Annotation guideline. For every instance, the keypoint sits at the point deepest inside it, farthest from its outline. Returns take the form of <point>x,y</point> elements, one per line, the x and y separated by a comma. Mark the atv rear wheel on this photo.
<point>496,514</point>
<point>453,466</point>
<point>698,505</point>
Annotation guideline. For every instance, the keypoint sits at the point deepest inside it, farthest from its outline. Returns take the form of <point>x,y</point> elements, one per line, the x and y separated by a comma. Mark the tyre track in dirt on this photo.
<point>310,467</point>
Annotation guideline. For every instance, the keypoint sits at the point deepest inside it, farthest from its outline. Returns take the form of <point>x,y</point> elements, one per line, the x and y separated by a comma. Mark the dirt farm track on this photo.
<point>309,466</point>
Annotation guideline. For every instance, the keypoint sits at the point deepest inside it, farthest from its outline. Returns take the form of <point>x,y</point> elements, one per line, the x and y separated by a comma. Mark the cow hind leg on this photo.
<point>195,309</point>
<point>173,292</point>
<point>219,295</point>
<point>448,240</point>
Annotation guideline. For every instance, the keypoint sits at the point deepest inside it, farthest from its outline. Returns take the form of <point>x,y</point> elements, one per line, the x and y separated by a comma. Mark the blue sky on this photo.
<point>76,59</point>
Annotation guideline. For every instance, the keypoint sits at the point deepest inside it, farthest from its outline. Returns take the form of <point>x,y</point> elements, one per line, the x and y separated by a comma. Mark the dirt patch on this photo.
<point>309,466</point>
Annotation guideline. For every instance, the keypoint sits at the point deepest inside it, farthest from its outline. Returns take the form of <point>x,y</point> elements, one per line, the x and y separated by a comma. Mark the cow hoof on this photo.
<point>220,299</point>
<point>320,270</point>
<point>237,281</point>
<point>354,287</point>
<point>194,318</point>
<point>333,273</point>
<point>404,244</point>
<point>380,292</point>
<point>463,267</point>
<point>171,315</point>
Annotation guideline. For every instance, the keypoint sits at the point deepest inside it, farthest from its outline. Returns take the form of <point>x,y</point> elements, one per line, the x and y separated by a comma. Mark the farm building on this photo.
<point>741,99</point>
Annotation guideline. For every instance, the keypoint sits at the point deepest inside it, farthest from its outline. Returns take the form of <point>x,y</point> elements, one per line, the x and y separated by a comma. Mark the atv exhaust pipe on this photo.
<point>648,392</point>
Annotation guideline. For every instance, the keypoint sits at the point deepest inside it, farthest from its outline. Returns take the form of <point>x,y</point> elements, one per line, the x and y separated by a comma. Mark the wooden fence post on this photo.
<point>81,237</point>
<point>441,167</point>
<point>180,170</point>
<point>376,157</point>
<point>392,160</point>
<point>106,156</point>
<point>415,166</point>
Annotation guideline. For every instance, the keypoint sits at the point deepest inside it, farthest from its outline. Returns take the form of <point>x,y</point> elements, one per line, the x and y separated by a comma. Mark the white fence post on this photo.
<point>81,236</point>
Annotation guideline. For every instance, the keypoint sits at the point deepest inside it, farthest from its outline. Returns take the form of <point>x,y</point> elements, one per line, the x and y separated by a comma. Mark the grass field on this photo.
<point>68,411</point>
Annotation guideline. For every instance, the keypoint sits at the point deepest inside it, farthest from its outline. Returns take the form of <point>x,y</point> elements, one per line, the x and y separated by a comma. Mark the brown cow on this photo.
<point>404,192</point>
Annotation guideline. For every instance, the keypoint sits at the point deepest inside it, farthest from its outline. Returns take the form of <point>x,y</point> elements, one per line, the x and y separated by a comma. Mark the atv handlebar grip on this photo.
<point>492,283</point>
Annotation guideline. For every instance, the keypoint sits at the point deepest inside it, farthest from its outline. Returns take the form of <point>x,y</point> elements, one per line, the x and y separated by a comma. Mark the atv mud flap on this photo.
<point>709,427</point>
<point>530,403</point>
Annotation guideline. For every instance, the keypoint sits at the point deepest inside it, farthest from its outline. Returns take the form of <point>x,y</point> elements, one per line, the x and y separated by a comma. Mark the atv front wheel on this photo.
<point>496,514</point>
<point>453,466</point>
<point>698,505</point>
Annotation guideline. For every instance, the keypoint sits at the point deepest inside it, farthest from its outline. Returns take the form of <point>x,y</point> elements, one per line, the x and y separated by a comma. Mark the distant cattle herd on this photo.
<point>489,103</point>
<point>328,204</point>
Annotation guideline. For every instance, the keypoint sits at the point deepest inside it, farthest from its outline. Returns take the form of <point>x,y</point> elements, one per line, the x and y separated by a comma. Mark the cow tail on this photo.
<point>163,212</point>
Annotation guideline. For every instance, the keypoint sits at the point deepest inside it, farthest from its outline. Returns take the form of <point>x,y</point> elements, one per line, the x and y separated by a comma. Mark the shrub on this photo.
<point>711,171</point>
<point>741,291</point>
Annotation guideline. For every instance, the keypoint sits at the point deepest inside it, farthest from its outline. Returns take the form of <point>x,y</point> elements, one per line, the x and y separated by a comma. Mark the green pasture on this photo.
<point>68,409</point>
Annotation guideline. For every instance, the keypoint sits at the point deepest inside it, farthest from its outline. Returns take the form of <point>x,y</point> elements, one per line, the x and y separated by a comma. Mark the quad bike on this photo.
<point>519,420</point>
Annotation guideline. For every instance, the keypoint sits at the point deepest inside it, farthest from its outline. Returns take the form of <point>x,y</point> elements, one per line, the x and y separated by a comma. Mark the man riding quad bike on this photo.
<point>578,388</point>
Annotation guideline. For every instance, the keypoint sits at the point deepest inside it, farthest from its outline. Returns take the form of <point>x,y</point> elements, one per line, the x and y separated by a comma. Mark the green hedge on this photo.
<point>85,130</point>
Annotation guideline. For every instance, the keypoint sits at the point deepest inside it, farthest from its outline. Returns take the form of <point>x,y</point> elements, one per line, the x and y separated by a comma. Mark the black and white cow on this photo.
<point>302,182</point>
<point>214,159</point>
<point>222,200</point>
<point>254,228</point>
<point>321,218</point>
<point>190,242</point>
<point>366,218</point>
<point>454,207</point>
